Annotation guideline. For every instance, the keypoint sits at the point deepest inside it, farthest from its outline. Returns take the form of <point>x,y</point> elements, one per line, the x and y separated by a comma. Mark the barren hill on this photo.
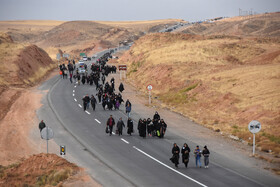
<point>22,65</point>
<point>218,81</point>
<point>265,25</point>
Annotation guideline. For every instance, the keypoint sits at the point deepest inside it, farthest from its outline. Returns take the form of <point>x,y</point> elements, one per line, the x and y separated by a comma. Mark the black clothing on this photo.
<point>175,152</point>
<point>205,152</point>
<point>185,155</point>
<point>129,126</point>
<point>156,116</point>
<point>86,100</point>
<point>142,128</point>
<point>121,88</point>
<point>93,102</point>
<point>120,126</point>
<point>42,125</point>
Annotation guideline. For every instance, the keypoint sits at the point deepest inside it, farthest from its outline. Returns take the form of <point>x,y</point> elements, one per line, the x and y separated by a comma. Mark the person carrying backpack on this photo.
<point>206,154</point>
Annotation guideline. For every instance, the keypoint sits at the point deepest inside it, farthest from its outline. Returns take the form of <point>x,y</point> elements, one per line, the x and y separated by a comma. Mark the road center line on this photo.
<point>80,106</point>
<point>169,167</point>
<point>73,94</point>
<point>75,86</point>
<point>124,141</point>
<point>75,99</point>
<point>98,121</point>
<point>73,90</point>
<point>87,112</point>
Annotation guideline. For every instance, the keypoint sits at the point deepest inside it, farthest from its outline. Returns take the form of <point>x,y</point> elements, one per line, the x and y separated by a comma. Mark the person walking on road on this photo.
<point>129,126</point>
<point>42,125</point>
<point>110,124</point>
<point>93,102</point>
<point>128,107</point>
<point>185,154</point>
<point>206,154</point>
<point>121,87</point>
<point>86,101</point>
<point>120,126</point>
<point>197,154</point>
<point>70,77</point>
<point>175,157</point>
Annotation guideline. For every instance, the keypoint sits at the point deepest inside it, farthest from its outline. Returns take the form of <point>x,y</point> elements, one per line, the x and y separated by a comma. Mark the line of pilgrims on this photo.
<point>155,127</point>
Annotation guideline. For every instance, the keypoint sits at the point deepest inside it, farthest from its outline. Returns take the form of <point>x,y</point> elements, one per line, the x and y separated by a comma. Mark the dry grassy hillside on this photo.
<point>27,30</point>
<point>44,170</point>
<point>220,82</point>
<point>142,26</point>
<point>75,37</point>
<point>258,25</point>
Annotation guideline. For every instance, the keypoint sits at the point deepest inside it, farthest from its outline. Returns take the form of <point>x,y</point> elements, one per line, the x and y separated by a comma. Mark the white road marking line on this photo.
<point>73,90</point>
<point>124,141</point>
<point>80,105</point>
<point>75,99</point>
<point>87,112</point>
<point>75,86</point>
<point>73,95</point>
<point>169,167</point>
<point>98,121</point>
<point>113,133</point>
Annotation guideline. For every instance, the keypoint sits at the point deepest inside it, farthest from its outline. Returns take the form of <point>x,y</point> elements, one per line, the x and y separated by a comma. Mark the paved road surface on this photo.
<point>130,160</point>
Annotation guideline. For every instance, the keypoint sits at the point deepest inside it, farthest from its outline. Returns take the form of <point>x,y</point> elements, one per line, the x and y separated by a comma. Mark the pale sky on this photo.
<point>120,10</point>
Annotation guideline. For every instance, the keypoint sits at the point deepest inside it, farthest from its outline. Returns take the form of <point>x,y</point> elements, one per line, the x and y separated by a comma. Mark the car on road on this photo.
<point>81,70</point>
<point>85,58</point>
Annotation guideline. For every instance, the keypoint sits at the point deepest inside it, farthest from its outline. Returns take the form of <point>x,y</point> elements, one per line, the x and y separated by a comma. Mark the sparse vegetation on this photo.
<point>54,177</point>
<point>232,78</point>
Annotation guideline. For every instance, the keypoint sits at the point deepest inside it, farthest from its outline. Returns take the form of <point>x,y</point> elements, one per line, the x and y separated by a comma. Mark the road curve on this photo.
<point>133,160</point>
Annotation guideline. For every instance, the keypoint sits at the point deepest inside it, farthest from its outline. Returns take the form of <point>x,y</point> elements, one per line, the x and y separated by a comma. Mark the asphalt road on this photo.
<point>130,160</point>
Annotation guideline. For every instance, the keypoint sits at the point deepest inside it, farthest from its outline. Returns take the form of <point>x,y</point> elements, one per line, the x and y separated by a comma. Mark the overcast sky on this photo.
<point>116,10</point>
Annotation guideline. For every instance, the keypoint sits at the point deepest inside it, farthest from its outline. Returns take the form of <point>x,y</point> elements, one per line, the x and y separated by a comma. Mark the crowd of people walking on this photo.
<point>110,100</point>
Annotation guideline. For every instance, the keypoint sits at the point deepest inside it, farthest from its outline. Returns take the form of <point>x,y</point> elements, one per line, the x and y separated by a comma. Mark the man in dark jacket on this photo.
<point>110,124</point>
<point>120,126</point>
<point>93,102</point>
<point>42,125</point>
<point>86,101</point>
<point>175,157</point>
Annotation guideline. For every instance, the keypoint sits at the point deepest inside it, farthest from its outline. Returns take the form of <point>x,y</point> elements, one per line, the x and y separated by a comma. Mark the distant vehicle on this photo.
<point>85,58</point>
<point>81,63</point>
<point>115,57</point>
<point>94,56</point>
<point>81,70</point>
<point>88,58</point>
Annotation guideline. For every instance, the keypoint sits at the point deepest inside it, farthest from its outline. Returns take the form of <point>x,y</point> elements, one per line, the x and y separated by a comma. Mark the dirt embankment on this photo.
<point>44,170</point>
<point>22,66</point>
<point>222,82</point>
